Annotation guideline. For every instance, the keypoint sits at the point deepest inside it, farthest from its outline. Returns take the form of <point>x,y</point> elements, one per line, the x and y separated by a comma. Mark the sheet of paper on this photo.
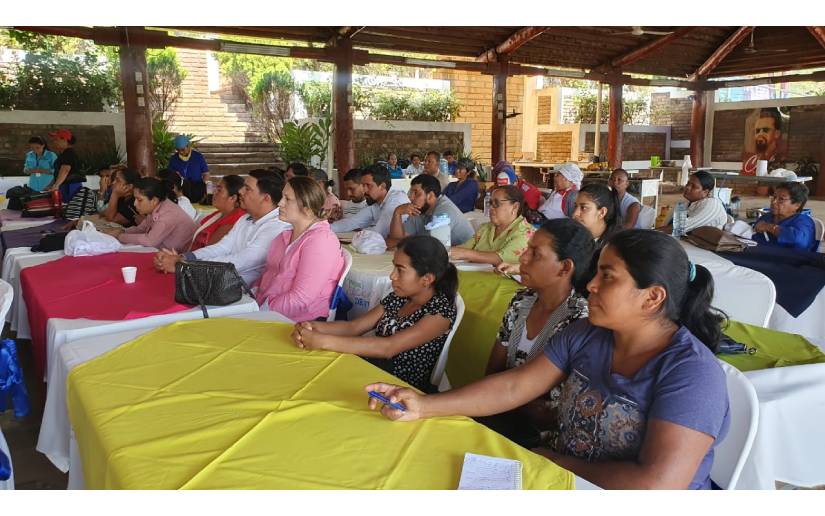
<point>483,472</point>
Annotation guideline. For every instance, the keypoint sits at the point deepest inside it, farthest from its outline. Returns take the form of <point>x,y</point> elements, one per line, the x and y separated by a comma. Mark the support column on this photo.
<point>342,98</point>
<point>499,132</point>
<point>597,135</point>
<point>697,129</point>
<point>134,82</point>
<point>615,127</point>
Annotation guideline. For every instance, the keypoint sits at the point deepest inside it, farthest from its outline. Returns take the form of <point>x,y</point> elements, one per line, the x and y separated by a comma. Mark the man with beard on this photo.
<point>356,195</point>
<point>381,203</point>
<point>767,132</point>
<point>426,202</point>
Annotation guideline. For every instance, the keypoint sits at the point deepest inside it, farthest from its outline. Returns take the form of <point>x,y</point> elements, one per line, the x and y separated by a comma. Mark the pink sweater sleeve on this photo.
<point>316,269</point>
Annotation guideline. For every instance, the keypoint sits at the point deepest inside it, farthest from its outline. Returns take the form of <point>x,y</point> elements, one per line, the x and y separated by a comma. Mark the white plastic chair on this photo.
<point>6,298</point>
<point>820,232</point>
<point>8,484</point>
<point>732,452</point>
<point>438,378</point>
<point>647,217</point>
<point>745,295</point>
<point>333,311</point>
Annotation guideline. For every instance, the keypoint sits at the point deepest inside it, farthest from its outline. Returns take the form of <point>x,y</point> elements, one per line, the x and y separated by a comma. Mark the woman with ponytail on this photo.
<point>411,324</point>
<point>643,399</point>
<point>597,208</point>
<point>176,181</point>
<point>165,224</point>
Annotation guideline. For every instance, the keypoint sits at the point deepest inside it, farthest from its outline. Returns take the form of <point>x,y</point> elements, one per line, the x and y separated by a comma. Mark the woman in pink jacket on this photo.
<point>303,264</point>
<point>166,225</point>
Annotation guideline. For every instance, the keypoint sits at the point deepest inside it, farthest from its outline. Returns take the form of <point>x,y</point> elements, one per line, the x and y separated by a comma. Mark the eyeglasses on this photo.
<point>497,203</point>
<point>781,200</point>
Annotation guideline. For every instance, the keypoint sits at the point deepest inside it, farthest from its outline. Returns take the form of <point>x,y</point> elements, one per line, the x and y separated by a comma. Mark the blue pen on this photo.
<point>385,401</point>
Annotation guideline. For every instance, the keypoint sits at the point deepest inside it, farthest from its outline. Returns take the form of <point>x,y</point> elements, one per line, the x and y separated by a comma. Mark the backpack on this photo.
<point>83,203</point>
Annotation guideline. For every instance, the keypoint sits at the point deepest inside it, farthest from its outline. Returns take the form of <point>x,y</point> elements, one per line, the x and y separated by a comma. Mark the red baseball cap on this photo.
<point>63,134</point>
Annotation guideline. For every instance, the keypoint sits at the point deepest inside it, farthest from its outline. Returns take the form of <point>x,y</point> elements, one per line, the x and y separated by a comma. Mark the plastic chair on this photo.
<point>6,297</point>
<point>333,304</point>
<point>820,232</point>
<point>438,377</point>
<point>745,295</point>
<point>6,466</point>
<point>732,452</point>
<point>647,217</point>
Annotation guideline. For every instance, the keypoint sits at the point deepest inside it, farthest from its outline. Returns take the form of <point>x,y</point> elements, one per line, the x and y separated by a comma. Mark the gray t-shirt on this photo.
<point>603,416</point>
<point>460,228</point>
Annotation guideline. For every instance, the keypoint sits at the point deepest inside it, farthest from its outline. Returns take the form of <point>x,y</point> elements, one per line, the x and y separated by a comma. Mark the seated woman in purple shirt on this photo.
<point>643,399</point>
<point>463,192</point>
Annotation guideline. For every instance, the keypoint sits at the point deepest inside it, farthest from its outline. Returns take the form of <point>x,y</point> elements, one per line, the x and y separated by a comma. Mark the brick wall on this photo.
<point>806,134</point>
<point>545,111</point>
<point>91,139</point>
<point>474,92</point>
<point>370,144</point>
<point>635,146</point>
<point>728,134</point>
<point>554,147</point>
<point>673,112</point>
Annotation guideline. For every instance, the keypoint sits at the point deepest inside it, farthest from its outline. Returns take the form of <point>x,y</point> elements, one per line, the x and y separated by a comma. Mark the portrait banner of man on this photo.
<point>765,139</point>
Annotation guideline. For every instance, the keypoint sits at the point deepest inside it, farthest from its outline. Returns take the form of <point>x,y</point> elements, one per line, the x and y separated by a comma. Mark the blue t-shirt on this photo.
<point>397,172</point>
<point>603,416</point>
<point>191,169</point>
<point>797,232</point>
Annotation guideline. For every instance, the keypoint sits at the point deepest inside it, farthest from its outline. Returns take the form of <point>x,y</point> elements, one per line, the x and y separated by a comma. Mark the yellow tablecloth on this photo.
<point>223,404</point>
<point>486,297</point>
<point>773,348</point>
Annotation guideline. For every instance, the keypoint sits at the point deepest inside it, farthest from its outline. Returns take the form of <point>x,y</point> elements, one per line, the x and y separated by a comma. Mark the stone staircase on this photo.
<point>239,158</point>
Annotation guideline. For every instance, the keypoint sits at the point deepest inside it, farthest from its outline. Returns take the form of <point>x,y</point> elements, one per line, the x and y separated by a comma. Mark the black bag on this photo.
<point>18,196</point>
<point>51,242</point>
<point>208,283</point>
<point>83,203</point>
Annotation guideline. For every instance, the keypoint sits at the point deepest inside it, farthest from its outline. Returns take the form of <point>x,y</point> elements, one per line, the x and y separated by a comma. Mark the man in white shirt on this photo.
<point>381,203</point>
<point>355,192</point>
<point>248,241</point>
<point>415,167</point>
<point>431,165</point>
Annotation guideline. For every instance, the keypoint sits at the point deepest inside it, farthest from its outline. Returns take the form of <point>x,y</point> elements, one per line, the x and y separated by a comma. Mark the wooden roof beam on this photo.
<point>645,50</point>
<point>819,34</point>
<point>721,53</point>
<point>515,41</point>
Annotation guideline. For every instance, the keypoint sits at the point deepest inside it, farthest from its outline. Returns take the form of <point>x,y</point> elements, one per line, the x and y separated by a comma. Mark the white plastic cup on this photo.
<point>762,167</point>
<point>129,274</point>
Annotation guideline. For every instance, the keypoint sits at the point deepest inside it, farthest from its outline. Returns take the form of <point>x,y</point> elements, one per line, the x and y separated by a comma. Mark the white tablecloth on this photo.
<point>56,436</point>
<point>809,324</point>
<point>10,224</point>
<point>368,281</point>
<point>6,484</point>
<point>17,259</point>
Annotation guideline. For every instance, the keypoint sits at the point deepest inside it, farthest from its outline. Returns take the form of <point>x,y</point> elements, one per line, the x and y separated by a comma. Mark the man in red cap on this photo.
<point>67,176</point>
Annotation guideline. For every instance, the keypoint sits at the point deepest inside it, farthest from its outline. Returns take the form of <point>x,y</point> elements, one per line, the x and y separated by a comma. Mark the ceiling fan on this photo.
<point>751,49</point>
<point>639,31</point>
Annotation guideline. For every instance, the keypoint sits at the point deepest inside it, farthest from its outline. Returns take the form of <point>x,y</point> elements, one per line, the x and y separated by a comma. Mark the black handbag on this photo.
<point>19,196</point>
<point>208,283</point>
<point>51,242</point>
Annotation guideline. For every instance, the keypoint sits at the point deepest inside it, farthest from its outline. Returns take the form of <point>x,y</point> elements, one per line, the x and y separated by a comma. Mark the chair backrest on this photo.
<point>333,308</point>
<point>732,452</point>
<point>438,371</point>
<point>647,217</point>
<point>820,229</point>
<point>745,295</point>
<point>6,297</point>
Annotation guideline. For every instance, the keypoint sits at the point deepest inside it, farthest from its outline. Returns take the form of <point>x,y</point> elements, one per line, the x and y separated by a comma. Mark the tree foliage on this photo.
<point>165,78</point>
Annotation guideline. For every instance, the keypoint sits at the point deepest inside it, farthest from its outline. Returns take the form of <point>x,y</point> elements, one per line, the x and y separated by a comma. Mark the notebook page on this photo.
<point>483,472</point>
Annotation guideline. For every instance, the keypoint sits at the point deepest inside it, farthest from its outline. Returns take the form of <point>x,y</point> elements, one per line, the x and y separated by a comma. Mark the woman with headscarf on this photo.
<point>562,202</point>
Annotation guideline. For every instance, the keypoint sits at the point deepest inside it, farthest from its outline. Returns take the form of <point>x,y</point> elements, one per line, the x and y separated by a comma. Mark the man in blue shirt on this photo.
<point>452,163</point>
<point>191,166</point>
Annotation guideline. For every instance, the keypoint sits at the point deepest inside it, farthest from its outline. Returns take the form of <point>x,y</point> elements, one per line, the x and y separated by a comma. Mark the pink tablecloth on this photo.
<point>92,287</point>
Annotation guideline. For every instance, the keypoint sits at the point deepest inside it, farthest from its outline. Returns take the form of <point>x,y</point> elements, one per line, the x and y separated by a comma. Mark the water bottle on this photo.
<point>487,204</point>
<point>442,166</point>
<point>439,228</point>
<point>679,220</point>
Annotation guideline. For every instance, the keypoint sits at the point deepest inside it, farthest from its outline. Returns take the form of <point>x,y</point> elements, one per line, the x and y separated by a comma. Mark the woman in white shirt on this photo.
<point>177,183</point>
<point>629,206</point>
<point>703,209</point>
<point>562,201</point>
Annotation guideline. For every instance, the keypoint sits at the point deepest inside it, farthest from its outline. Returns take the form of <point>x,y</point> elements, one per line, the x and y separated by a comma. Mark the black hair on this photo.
<point>514,193</point>
<point>572,241</point>
<point>269,183</point>
<point>655,258</point>
<point>379,174</point>
<point>415,155</point>
<point>772,113</point>
<point>447,152</point>
<point>604,197</point>
<point>391,154</point>
<point>353,174</point>
<point>429,256</point>
<point>130,176</point>
<point>620,171</point>
<point>233,183</point>
<point>173,177</point>
<point>705,179</point>
<point>434,153</point>
<point>299,169</point>
<point>798,192</point>
<point>38,140</point>
<point>428,183</point>
<point>319,175</point>
<point>155,188</point>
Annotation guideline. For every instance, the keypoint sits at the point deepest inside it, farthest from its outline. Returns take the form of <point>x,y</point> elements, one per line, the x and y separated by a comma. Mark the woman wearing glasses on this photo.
<point>502,239</point>
<point>786,225</point>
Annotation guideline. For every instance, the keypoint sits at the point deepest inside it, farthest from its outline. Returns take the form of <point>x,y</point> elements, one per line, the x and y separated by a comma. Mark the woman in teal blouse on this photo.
<point>39,165</point>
